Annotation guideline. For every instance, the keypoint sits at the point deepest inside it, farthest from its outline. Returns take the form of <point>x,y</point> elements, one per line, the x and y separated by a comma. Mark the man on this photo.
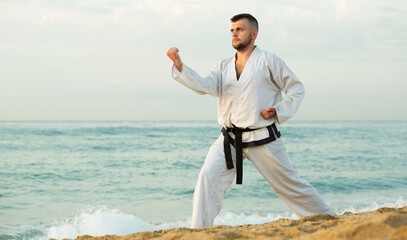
<point>255,90</point>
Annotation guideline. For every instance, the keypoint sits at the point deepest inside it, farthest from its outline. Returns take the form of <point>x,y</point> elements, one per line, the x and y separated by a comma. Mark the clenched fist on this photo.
<point>268,113</point>
<point>172,53</point>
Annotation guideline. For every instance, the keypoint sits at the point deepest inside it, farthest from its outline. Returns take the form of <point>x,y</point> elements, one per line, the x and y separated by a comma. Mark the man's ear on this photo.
<point>254,34</point>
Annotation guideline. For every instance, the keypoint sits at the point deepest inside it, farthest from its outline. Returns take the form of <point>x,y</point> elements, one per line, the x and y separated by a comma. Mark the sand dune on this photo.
<point>383,223</point>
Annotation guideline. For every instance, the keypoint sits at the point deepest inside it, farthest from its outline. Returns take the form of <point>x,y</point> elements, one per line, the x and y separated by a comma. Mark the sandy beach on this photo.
<point>383,223</point>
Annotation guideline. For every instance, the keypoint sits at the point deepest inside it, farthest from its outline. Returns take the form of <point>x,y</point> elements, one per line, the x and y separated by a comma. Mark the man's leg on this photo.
<point>272,162</point>
<point>213,182</point>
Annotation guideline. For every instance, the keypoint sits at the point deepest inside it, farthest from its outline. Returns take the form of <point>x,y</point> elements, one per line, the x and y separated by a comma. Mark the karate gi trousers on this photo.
<point>272,162</point>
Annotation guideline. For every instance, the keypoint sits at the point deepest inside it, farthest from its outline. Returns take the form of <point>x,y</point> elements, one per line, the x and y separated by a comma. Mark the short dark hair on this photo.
<point>252,20</point>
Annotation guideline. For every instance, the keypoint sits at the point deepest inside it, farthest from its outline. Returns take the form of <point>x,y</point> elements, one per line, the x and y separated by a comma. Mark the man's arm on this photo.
<point>208,84</point>
<point>292,88</point>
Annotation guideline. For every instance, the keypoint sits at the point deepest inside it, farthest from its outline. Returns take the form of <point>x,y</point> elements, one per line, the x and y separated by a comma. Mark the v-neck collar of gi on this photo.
<point>254,52</point>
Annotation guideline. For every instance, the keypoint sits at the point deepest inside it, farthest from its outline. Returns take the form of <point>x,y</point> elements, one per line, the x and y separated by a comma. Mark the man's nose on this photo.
<point>234,34</point>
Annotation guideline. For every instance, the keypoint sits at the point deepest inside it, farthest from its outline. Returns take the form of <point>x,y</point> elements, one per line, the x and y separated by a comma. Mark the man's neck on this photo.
<point>245,53</point>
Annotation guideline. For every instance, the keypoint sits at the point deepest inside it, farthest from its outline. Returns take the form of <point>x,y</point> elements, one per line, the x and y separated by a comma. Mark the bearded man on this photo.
<point>256,92</point>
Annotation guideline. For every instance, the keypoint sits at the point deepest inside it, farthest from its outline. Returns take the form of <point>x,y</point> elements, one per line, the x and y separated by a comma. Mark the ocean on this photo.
<point>61,179</point>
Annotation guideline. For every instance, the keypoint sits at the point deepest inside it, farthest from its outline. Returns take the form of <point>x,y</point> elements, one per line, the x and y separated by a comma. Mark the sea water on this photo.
<point>63,179</point>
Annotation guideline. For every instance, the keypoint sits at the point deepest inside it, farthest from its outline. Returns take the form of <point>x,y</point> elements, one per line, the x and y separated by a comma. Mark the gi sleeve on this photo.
<point>208,84</point>
<point>291,87</point>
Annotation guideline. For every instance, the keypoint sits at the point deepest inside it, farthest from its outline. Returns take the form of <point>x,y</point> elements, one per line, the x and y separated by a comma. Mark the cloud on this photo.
<point>343,9</point>
<point>338,29</point>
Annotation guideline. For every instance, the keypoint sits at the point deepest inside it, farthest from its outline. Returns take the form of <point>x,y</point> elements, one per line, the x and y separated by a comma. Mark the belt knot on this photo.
<point>238,144</point>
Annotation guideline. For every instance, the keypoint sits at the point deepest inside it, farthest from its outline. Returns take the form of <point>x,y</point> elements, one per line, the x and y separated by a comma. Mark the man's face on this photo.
<point>241,34</point>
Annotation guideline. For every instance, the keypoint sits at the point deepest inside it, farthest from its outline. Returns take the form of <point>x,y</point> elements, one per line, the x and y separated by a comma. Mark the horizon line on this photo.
<point>202,120</point>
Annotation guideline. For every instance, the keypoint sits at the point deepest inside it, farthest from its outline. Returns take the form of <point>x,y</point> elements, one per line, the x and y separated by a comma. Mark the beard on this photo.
<point>243,44</point>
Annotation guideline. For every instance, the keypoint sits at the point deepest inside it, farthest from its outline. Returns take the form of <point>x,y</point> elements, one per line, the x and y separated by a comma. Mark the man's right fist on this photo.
<point>172,53</point>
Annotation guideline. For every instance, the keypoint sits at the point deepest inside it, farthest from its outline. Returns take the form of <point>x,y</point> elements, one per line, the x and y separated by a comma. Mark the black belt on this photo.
<point>238,144</point>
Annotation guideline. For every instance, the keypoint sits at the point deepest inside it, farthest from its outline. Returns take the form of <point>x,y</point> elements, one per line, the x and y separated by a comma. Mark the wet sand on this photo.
<point>383,223</point>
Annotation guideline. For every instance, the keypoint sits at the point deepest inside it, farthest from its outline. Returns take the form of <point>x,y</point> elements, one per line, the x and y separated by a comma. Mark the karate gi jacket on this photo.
<point>265,82</point>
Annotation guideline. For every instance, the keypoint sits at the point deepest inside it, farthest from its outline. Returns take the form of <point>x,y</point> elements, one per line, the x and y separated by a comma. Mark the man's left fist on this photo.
<point>268,112</point>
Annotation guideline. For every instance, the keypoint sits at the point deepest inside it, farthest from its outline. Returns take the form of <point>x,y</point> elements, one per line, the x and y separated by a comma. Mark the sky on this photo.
<point>106,60</point>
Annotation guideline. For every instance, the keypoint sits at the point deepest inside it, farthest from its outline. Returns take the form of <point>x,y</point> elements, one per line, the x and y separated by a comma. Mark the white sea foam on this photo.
<point>102,221</point>
<point>99,222</point>
<point>400,202</point>
<point>232,219</point>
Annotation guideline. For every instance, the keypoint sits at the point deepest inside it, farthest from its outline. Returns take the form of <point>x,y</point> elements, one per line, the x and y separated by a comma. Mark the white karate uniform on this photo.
<point>265,82</point>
